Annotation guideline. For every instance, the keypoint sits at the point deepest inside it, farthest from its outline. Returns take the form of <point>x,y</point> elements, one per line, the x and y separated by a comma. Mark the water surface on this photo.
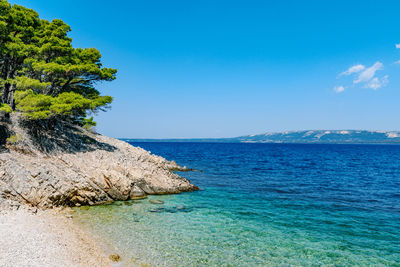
<point>264,205</point>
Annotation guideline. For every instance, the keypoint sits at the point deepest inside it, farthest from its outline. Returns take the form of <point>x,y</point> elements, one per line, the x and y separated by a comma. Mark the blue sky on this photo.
<point>227,68</point>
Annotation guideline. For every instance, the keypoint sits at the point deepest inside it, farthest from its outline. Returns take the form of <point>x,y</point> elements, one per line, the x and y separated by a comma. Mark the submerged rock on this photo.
<point>66,165</point>
<point>171,209</point>
<point>154,210</point>
<point>156,201</point>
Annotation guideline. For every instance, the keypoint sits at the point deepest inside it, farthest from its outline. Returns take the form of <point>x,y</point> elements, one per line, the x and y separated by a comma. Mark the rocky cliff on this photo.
<point>50,164</point>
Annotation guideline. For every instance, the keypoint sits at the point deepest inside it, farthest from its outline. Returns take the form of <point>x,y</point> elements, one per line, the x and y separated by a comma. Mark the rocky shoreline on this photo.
<point>66,165</point>
<point>47,168</point>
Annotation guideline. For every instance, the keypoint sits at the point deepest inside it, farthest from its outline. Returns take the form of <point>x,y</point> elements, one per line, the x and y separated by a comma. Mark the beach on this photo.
<point>46,238</point>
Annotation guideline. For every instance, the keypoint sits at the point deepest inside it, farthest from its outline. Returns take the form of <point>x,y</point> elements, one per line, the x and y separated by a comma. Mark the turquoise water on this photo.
<point>264,205</point>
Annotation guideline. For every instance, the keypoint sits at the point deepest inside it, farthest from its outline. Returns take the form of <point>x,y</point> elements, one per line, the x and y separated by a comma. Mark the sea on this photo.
<point>263,205</point>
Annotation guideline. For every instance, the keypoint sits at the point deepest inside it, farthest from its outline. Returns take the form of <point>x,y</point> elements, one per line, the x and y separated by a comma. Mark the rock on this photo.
<point>153,210</point>
<point>115,257</point>
<point>33,210</point>
<point>156,201</point>
<point>65,165</point>
<point>136,192</point>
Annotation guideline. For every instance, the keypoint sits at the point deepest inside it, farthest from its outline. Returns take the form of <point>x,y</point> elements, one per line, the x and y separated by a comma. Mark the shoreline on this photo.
<point>47,238</point>
<point>70,167</point>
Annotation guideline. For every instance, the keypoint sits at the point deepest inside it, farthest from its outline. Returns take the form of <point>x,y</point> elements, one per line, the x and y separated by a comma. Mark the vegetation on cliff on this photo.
<point>47,91</point>
<point>42,75</point>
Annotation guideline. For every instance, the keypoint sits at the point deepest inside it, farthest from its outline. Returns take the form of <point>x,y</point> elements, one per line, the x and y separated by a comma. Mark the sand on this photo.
<point>46,238</point>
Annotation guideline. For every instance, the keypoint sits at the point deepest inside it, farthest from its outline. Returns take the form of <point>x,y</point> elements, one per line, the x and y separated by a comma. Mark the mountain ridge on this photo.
<point>303,136</point>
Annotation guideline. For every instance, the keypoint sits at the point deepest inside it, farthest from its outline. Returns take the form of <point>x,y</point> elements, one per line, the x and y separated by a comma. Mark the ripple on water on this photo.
<point>264,205</point>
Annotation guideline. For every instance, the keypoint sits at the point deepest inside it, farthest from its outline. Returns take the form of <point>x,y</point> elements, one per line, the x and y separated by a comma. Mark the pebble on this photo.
<point>115,257</point>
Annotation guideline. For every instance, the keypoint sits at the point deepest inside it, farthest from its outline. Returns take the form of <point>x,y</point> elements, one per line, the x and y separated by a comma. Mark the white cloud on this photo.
<point>377,83</point>
<point>338,89</point>
<point>365,76</point>
<point>354,69</point>
<point>397,62</point>
<point>397,46</point>
<point>369,73</point>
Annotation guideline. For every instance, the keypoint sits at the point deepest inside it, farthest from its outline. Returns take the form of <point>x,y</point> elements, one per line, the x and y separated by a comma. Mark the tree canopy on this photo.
<point>41,74</point>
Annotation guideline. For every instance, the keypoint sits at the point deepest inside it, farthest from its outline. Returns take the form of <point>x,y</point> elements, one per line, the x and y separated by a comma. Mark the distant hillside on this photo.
<point>316,136</point>
<point>322,136</point>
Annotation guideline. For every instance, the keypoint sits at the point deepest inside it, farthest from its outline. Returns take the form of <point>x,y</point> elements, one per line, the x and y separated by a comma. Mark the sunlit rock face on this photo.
<point>65,165</point>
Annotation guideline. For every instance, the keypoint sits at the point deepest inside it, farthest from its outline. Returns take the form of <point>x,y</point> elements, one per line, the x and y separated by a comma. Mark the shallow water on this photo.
<point>264,205</point>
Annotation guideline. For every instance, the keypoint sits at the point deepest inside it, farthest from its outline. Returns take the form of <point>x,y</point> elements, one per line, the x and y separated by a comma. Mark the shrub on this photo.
<point>14,139</point>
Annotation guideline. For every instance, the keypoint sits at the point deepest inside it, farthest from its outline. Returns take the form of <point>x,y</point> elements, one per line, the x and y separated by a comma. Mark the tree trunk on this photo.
<point>8,95</point>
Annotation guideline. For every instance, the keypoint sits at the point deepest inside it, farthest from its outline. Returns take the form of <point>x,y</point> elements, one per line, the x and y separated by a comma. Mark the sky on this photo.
<point>196,69</point>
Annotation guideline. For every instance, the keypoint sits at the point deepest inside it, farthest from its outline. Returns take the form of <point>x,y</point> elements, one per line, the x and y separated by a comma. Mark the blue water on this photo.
<point>264,205</point>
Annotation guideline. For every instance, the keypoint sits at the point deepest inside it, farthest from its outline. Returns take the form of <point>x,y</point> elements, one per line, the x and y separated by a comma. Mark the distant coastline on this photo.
<point>297,137</point>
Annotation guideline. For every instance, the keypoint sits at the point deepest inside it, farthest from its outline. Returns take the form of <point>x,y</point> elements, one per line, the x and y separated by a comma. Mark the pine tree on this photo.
<point>41,74</point>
